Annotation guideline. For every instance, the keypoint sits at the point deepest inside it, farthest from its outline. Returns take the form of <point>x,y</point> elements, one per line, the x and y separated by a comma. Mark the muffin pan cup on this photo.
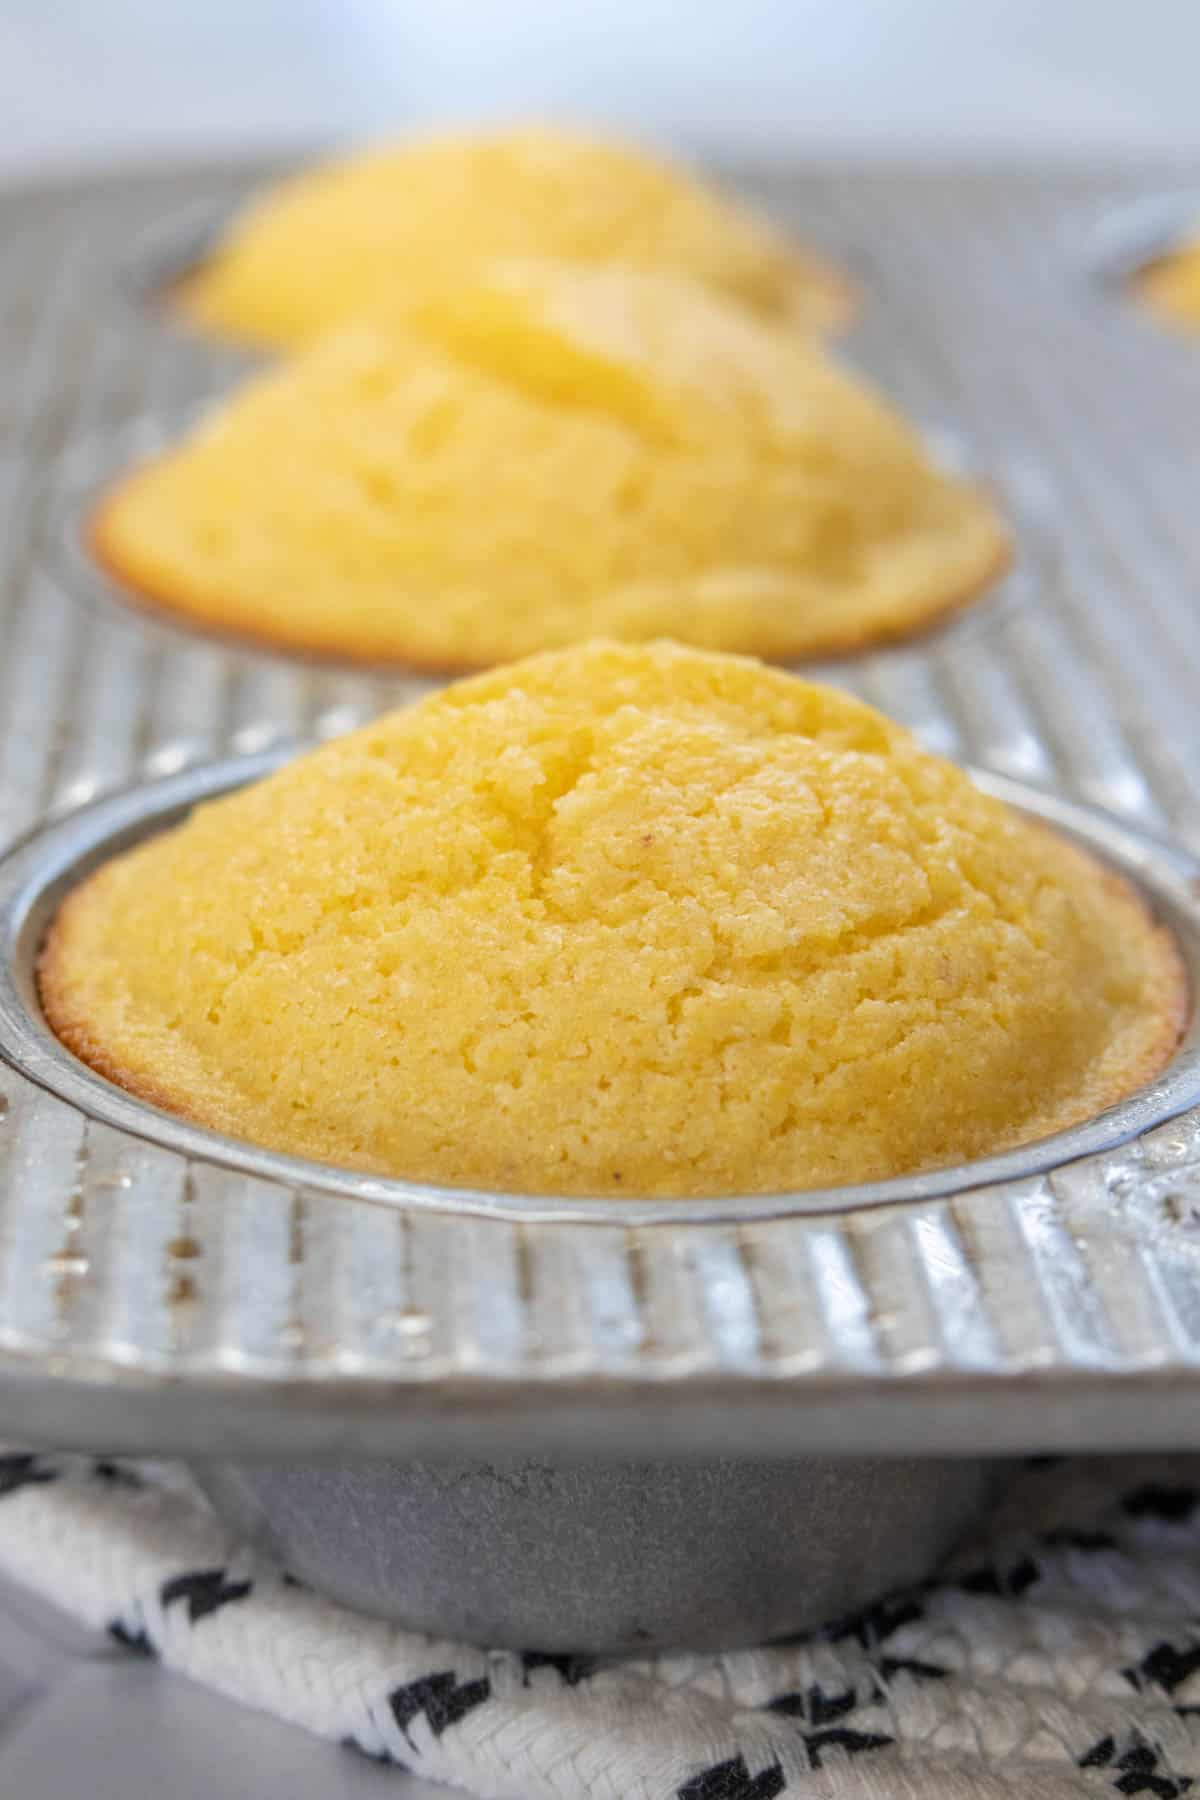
<point>610,1556</point>
<point>147,274</point>
<point>784,1403</point>
<point>1130,239</point>
<point>37,876</point>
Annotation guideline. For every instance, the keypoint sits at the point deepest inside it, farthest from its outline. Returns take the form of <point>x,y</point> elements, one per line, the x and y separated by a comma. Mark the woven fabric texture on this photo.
<point>1058,1656</point>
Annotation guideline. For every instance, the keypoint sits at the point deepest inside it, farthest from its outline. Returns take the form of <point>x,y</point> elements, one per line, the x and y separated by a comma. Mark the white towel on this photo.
<point>1057,1657</point>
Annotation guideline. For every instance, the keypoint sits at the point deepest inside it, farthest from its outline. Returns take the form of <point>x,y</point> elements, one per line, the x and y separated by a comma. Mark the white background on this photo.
<point>84,82</point>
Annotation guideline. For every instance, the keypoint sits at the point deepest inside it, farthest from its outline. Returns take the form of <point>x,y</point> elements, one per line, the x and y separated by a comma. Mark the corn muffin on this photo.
<point>343,238</point>
<point>618,920</point>
<point>1170,285</point>
<point>547,456</point>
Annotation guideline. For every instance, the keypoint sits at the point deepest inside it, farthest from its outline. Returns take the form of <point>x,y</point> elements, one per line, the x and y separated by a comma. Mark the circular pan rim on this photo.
<point>1130,236</point>
<point>37,873</point>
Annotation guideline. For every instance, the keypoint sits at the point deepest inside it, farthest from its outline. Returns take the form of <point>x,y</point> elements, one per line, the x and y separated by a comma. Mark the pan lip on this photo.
<point>164,254</point>
<point>1130,236</point>
<point>37,872</point>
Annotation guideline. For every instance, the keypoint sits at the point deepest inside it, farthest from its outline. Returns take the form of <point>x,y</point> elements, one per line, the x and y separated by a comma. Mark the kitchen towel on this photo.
<point>1055,1657</point>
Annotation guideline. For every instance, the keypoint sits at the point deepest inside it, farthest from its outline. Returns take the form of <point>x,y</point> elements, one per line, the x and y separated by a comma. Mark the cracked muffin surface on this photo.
<point>618,920</point>
<point>548,455</point>
<point>341,239</point>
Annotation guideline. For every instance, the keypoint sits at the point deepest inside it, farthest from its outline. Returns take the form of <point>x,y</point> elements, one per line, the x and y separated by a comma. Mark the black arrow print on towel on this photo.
<point>130,1639</point>
<point>841,1737</point>
<point>1167,1666</point>
<point>1002,1583</point>
<point>813,1705</point>
<point>23,1471</point>
<point>733,1781</point>
<point>1137,1768</point>
<point>205,1590</point>
<point>442,1699</point>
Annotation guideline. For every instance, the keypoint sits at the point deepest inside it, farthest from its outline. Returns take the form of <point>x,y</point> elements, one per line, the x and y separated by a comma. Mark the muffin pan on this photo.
<point>160,1293</point>
<point>1130,239</point>
<point>530,1551</point>
<point>165,255</point>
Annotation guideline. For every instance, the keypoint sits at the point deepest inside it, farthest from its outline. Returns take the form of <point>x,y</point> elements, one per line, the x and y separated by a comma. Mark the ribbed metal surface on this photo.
<point>148,1301</point>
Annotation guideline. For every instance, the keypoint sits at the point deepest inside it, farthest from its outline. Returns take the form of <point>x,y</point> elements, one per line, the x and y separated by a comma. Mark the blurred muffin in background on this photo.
<point>391,224</point>
<point>545,454</point>
<point>1170,285</point>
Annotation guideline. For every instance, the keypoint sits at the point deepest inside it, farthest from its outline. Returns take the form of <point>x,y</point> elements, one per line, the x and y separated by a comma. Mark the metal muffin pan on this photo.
<point>1130,238</point>
<point>158,259</point>
<point>607,1556</point>
<point>610,1555</point>
<point>160,1298</point>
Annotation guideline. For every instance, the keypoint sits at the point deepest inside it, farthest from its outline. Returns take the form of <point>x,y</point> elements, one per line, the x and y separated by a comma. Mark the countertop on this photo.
<point>79,1715</point>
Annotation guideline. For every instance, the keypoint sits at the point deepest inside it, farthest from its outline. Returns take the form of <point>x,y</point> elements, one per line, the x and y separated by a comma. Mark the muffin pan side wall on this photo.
<point>148,1299</point>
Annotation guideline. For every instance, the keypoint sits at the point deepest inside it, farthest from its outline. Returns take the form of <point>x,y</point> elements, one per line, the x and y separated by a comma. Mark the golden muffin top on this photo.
<point>618,920</point>
<point>549,454</point>
<point>1170,286</point>
<point>381,228</point>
